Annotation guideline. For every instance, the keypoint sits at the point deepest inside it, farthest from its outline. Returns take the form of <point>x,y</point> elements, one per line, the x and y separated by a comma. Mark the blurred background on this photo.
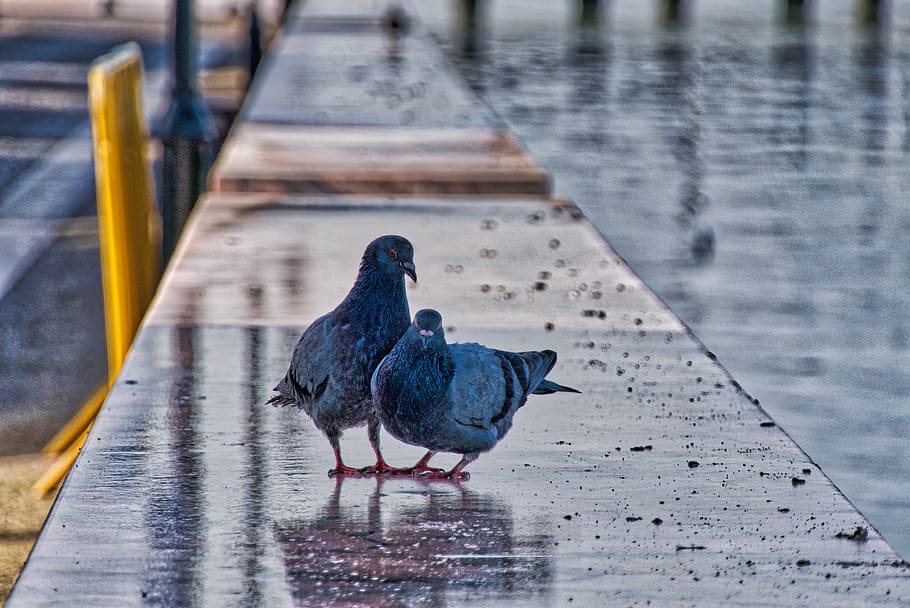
<point>755,174</point>
<point>52,344</point>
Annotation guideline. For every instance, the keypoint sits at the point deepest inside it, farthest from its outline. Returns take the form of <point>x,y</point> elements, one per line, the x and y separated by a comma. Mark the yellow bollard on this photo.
<point>129,227</point>
<point>129,230</point>
<point>52,477</point>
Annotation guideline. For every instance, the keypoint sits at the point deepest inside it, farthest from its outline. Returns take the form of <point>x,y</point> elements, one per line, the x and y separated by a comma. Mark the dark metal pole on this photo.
<point>589,16</point>
<point>796,12</point>
<point>870,12</point>
<point>468,14</point>
<point>255,40</point>
<point>186,132</point>
<point>673,12</point>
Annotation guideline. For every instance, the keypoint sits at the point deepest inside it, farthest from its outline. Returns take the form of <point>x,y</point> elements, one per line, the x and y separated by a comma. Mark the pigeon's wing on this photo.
<point>530,368</point>
<point>490,385</point>
<point>311,364</point>
<point>478,393</point>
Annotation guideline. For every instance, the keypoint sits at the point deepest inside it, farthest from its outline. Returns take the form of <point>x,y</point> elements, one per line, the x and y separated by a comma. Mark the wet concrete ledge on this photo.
<point>340,86</point>
<point>662,485</point>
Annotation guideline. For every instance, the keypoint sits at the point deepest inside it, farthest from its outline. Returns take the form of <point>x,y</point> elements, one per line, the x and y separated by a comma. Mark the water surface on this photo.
<point>756,177</point>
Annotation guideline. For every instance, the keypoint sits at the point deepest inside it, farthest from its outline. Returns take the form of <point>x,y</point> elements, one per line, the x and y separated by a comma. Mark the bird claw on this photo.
<point>445,476</point>
<point>423,470</point>
<point>384,470</point>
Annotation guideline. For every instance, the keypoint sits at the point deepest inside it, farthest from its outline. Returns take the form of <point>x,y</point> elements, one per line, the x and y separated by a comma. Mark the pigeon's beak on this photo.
<point>426,335</point>
<point>409,270</point>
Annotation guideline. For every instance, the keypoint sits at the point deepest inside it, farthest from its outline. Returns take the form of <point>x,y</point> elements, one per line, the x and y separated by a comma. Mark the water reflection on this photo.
<point>680,87</point>
<point>587,46</point>
<point>791,67</point>
<point>905,86</point>
<point>254,474</point>
<point>174,517</point>
<point>412,548</point>
<point>871,64</point>
<point>786,132</point>
<point>589,55</point>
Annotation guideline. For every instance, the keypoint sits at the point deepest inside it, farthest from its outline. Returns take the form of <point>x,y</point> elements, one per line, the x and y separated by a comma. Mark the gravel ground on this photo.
<point>21,513</point>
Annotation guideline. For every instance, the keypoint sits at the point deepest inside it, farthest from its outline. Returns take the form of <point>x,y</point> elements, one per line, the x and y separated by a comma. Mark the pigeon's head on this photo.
<point>391,254</point>
<point>428,325</point>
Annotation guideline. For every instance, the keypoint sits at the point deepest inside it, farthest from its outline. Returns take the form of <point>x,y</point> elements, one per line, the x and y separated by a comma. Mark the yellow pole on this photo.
<point>52,477</point>
<point>129,227</point>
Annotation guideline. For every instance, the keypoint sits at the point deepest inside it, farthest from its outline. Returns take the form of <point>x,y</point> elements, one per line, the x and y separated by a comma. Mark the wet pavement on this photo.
<point>376,78</point>
<point>315,160</point>
<point>663,484</point>
<point>393,102</point>
<point>788,146</point>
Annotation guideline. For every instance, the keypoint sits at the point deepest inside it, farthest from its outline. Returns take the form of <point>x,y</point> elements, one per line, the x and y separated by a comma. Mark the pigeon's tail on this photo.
<point>280,400</point>
<point>541,363</point>
<point>548,387</point>
<point>531,369</point>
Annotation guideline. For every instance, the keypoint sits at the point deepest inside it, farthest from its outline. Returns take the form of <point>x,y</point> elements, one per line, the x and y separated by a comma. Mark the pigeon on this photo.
<point>329,373</point>
<point>454,397</point>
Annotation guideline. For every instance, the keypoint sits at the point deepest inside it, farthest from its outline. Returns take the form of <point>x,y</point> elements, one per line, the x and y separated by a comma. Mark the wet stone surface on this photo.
<point>191,491</point>
<point>376,80</point>
<point>755,177</point>
<point>317,160</point>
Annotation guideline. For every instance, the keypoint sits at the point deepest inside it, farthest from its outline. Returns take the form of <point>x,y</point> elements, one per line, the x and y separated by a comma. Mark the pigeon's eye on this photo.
<point>392,253</point>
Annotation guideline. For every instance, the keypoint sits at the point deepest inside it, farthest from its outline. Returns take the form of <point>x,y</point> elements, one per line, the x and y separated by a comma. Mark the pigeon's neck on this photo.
<point>376,295</point>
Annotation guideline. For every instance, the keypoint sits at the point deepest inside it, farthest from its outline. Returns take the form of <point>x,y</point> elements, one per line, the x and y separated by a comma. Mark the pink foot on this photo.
<point>383,468</point>
<point>456,474</point>
<point>453,475</point>
<point>423,469</point>
<point>422,466</point>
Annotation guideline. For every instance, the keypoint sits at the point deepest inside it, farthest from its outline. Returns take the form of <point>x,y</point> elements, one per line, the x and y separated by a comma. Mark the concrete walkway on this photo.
<point>663,484</point>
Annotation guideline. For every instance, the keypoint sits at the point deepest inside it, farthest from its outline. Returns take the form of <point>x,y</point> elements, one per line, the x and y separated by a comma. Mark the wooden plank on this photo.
<point>343,160</point>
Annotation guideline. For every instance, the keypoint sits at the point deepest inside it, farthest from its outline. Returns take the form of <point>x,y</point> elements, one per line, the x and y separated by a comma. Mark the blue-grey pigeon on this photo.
<point>329,373</point>
<point>454,397</point>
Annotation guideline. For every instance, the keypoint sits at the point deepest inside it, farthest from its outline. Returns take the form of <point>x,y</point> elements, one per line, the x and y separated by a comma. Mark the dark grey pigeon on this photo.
<point>329,374</point>
<point>454,397</point>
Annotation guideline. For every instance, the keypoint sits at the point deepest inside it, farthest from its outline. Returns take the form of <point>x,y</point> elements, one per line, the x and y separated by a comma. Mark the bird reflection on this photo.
<point>174,516</point>
<point>793,67</point>
<point>682,86</point>
<point>871,61</point>
<point>444,540</point>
